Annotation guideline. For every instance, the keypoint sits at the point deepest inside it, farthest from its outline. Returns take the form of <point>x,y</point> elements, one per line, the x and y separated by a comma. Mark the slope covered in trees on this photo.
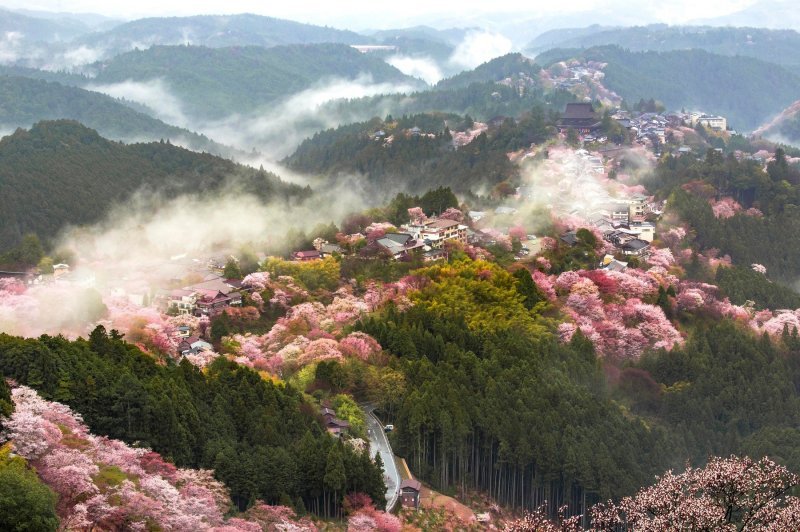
<point>61,172</point>
<point>506,66</point>
<point>482,101</point>
<point>413,163</point>
<point>25,101</point>
<point>493,402</point>
<point>218,82</point>
<point>259,437</point>
<point>754,90</point>
<point>764,236</point>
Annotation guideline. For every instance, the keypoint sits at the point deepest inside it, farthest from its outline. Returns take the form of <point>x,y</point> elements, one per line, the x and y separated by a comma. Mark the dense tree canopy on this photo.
<point>258,437</point>
<point>61,172</point>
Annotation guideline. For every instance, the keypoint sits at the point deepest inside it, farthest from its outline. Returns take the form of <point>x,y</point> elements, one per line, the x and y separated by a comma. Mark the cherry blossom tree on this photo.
<point>416,215</point>
<point>735,494</point>
<point>451,213</point>
<point>661,257</point>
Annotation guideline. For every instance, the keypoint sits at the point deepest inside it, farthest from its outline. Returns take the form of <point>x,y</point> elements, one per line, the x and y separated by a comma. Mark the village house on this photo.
<point>335,426</point>
<point>399,245</point>
<point>325,248</point>
<point>635,247</point>
<point>717,123</point>
<point>60,270</point>
<point>193,345</point>
<point>570,238</point>
<point>409,493</point>
<point>436,231</point>
<point>303,256</point>
<point>609,263</point>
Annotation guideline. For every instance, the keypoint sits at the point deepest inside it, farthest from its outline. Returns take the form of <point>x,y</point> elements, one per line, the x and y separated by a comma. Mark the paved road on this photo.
<point>378,442</point>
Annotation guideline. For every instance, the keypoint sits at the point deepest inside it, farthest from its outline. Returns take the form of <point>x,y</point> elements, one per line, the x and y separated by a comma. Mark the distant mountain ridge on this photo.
<point>214,83</point>
<point>217,31</point>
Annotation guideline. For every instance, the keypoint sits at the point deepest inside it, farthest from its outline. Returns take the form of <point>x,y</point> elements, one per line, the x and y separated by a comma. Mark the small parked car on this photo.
<point>388,428</point>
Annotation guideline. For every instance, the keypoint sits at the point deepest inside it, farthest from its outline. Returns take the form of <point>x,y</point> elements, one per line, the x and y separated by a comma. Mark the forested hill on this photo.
<point>774,46</point>
<point>259,438</point>
<point>745,90</point>
<point>218,82</point>
<point>507,66</point>
<point>404,162</point>
<point>218,31</point>
<point>25,101</point>
<point>481,101</point>
<point>62,172</point>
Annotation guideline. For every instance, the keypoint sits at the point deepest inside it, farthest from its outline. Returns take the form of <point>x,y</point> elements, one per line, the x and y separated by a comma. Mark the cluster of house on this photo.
<point>426,236</point>
<point>651,127</point>
<point>623,224</point>
<point>209,297</point>
<point>572,74</point>
<point>386,139</point>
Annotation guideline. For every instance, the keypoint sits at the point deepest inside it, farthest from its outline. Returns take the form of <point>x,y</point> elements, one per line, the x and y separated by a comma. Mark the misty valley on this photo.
<point>399,268</point>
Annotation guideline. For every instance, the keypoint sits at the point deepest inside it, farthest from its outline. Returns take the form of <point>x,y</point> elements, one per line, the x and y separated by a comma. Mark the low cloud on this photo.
<point>479,47</point>
<point>11,46</point>
<point>150,243</point>
<point>423,68</point>
<point>276,130</point>
<point>153,94</point>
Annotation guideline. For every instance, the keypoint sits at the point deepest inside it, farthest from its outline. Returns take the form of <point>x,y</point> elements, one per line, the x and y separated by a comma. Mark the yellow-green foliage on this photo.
<point>110,477</point>
<point>482,292</point>
<point>347,409</point>
<point>303,378</point>
<point>312,275</point>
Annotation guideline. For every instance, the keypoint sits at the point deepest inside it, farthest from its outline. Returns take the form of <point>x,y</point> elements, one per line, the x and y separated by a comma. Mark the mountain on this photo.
<point>775,46</point>
<point>61,172</point>
<point>557,37</point>
<point>422,41</point>
<point>450,36</point>
<point>508,66</point>
<point>25,101</point>
<point>213,83</point>
<point>92,21</point>
<point>745,90</point>
<point>215,31</point>
<point>402,159</point>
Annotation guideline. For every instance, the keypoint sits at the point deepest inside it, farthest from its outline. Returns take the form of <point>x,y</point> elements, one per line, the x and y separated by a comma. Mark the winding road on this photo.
<point>379,441</point>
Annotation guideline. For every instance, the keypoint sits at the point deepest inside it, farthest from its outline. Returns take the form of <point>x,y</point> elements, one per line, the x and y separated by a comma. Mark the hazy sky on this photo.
<point>359,14</point>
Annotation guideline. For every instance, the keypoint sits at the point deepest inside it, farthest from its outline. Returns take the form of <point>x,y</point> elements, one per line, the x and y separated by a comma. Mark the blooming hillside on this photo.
<point>105,484</point>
